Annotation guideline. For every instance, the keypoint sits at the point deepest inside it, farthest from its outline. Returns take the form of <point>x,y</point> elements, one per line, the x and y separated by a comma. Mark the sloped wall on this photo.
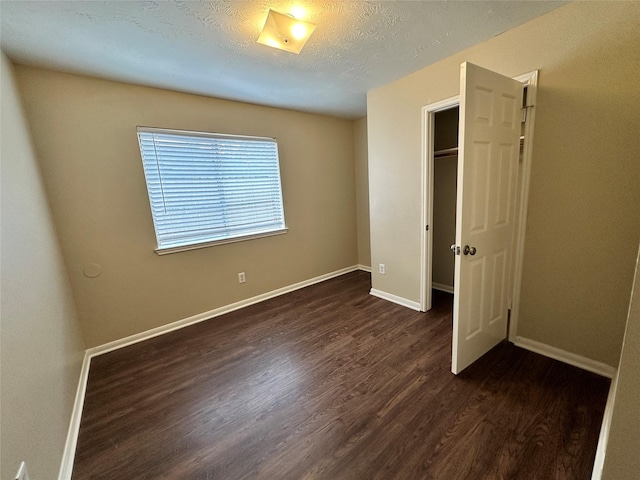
<point>41,343</point>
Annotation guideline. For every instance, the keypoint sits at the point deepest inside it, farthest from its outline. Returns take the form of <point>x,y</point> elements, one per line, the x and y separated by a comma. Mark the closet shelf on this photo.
<point>450,152</point>
<point>445,152</point>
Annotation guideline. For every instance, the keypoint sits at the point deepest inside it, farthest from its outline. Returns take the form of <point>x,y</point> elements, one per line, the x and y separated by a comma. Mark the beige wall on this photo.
<point>361,159</point>
<point>583,203</point>
<point>84,130</point>
<point>41,346</point>
<point>622,461</point>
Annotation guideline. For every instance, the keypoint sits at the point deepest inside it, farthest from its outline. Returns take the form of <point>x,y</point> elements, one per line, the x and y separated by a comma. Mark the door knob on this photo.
<point>455,249</point>
<point>467,250</point>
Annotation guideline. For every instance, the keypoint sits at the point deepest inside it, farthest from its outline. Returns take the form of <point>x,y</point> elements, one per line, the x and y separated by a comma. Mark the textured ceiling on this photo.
<point>209,47</point>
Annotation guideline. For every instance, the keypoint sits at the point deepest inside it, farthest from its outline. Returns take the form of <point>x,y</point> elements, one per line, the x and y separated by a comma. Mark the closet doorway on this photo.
<point>445,173</point>
<point>440,184</point>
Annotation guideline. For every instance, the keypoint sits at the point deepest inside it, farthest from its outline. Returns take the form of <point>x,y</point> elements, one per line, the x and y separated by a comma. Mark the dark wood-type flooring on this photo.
<point>329,382</point>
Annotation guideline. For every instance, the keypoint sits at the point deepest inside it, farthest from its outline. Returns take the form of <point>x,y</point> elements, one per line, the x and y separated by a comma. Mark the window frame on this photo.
<point>194,244</point>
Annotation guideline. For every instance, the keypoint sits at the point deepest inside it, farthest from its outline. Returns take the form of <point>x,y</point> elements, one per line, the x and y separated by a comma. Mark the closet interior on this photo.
<point>445,170</point>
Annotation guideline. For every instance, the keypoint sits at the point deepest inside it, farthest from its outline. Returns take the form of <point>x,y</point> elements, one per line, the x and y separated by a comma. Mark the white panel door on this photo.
<point>489,145</point>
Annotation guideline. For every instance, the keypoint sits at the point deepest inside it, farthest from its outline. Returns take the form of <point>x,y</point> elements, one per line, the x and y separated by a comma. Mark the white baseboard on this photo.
<point>566,357</point>
<point>216,312</point>
<point>364,268</point>
<point>395,299</point>
<point>69,453</point>
<point>601,451</point>
<point>442,287</point>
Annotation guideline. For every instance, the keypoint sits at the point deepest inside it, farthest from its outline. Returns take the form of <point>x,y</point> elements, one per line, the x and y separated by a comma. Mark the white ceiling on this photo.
<point>209,48</point>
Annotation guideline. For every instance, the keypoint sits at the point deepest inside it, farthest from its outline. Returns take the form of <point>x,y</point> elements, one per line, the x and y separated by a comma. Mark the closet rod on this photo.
<point>446,152</point>
<point>449,152</point>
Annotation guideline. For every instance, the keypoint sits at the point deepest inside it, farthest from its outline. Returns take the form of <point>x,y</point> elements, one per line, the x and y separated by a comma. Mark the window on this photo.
<point>206,189</point>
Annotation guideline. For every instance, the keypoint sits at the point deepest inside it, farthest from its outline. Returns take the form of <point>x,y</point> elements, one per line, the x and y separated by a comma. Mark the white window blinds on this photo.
<point>207,188</point>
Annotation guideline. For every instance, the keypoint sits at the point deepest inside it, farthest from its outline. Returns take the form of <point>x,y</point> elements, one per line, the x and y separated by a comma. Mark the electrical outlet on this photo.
<point>241,277</point>
<point>381,268</point>
<point>22,472</point>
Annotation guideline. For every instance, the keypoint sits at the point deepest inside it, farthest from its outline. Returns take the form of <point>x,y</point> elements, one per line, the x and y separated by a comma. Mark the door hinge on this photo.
<point>524,112</point>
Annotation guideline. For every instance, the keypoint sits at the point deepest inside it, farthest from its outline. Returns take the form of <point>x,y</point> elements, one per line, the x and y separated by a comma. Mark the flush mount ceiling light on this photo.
<point>285,32</point>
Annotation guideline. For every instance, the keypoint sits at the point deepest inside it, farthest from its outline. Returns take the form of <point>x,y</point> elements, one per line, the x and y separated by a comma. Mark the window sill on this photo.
<point>194,246</point>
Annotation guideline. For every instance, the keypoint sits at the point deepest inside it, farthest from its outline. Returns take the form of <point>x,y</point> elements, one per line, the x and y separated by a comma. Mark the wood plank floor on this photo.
<point>329,382</point>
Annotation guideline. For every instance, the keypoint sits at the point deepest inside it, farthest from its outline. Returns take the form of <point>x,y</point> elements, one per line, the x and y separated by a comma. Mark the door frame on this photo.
<point>426,236</point>
<point>530,80</point>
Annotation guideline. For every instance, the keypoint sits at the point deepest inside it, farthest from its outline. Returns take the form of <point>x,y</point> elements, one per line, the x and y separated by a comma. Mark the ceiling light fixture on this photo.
<point>285,32</point>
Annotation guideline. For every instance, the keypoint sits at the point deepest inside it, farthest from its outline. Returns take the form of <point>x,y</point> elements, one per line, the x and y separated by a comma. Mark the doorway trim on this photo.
<point>530,80</point>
